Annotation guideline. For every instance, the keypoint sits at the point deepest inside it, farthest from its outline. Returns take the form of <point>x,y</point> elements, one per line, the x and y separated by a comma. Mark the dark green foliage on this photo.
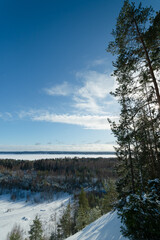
<point>16,233</point>
<point>66,222</point>
<point>110,198</point>
<point>53,236</point>
<point>152,38</point>
<point>49,174</point>
<point>83,210</point>
<point>141,213</point>
<point>138,129</point>
<point>136,44</point>
<point>36,232</point>
<point>136,50</point>
<point>94,214</point>
<point>82,218</point>
<point>83,201</point>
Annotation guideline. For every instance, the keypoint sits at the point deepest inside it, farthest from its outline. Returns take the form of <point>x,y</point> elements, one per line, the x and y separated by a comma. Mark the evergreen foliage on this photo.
<point>36,232</point>
<point>53,236</point>
<point>83,201</point>
<point>94,214</point>
<point>136,44</point>
<point>141,213</point>
<point>47,175</point>
<point>83,210</point>
<point>66,222</point>
<point>16,233</point>
<point>82,218</point>
<point>110,198</point>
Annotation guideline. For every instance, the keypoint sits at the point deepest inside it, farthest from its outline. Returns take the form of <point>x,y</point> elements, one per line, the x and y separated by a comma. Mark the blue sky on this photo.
<point>56,75</point>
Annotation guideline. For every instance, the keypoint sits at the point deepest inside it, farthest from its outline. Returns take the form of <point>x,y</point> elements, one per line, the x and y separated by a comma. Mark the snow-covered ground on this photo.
<point>105,228</point>
<point>51,156</point>
<point>23,213</point>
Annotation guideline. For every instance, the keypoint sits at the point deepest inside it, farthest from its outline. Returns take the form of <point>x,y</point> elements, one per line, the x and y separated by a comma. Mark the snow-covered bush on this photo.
<point>140,213</point>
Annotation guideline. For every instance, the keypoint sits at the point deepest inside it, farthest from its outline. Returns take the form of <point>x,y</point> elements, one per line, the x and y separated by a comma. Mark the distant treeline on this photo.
<point>56,174</point>
<point>69,166</point>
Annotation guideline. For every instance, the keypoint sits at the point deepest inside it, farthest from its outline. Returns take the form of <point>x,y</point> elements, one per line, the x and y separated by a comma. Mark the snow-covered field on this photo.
<point>51,156</point>
<point>105,228</point>
<point>23,213</point>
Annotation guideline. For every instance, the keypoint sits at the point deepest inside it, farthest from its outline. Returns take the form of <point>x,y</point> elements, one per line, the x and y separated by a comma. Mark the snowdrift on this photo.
<point>105,228</point>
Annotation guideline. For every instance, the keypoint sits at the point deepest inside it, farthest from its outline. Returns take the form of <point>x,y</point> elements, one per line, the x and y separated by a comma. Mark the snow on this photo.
<point>22,213</point>
<point>105,228</point>
<point>51,156</point>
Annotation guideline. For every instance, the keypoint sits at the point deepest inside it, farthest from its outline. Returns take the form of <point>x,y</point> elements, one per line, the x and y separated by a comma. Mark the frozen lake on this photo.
<point>31,156</point>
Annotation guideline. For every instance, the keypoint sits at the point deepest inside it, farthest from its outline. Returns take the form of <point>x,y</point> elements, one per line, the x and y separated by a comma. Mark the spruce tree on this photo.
<point>110,198</point>
<point>66,222</point>
<point>83,201</point>
<point>16,233</point>
<point>36,232</point>
<point>81,219</point>
<point>83,210</point>
<point>94,214</point>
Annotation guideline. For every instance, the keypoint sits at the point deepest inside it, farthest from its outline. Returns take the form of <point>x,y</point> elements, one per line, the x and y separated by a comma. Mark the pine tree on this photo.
<point>132,46</point>
<point>137,132</point>
<point>36,232</point>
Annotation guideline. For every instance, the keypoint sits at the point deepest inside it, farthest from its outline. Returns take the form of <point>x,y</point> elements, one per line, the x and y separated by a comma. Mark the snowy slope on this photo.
<point>23,213</point>
<point>105,228</point>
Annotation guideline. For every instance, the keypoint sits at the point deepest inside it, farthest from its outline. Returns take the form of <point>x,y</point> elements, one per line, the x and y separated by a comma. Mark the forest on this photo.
<point>90,181</point>
<point>136,48</point>
<point>68,174</point>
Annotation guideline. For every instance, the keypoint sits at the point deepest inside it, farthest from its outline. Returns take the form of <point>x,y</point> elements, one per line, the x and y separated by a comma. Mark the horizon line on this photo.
<point>57,152</point>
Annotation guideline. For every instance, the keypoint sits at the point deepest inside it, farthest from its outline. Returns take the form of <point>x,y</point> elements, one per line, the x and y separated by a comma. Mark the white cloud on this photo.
<point>62,90</point>
<point>96,84</point>
<point>86,121</point>
<point>87,105</point>
<point>91,97</point>
<point>6,116</point>
<point>98,62</point>
<point>90,101</point>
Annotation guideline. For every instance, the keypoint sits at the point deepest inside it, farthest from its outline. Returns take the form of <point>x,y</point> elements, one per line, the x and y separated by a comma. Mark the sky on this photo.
<point>55,74</point>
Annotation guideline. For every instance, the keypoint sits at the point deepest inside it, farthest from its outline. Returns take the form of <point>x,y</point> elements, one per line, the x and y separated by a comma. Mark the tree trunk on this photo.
<point>149,64</point>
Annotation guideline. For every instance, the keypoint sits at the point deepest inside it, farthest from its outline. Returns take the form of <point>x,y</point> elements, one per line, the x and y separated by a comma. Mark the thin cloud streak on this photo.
<point>94,122</point>
<point>6,116</point>
<point>59,90</point>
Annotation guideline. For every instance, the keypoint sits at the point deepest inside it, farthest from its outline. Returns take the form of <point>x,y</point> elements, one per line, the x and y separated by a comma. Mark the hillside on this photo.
<point>23,212</point>
<point>105,228</point>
